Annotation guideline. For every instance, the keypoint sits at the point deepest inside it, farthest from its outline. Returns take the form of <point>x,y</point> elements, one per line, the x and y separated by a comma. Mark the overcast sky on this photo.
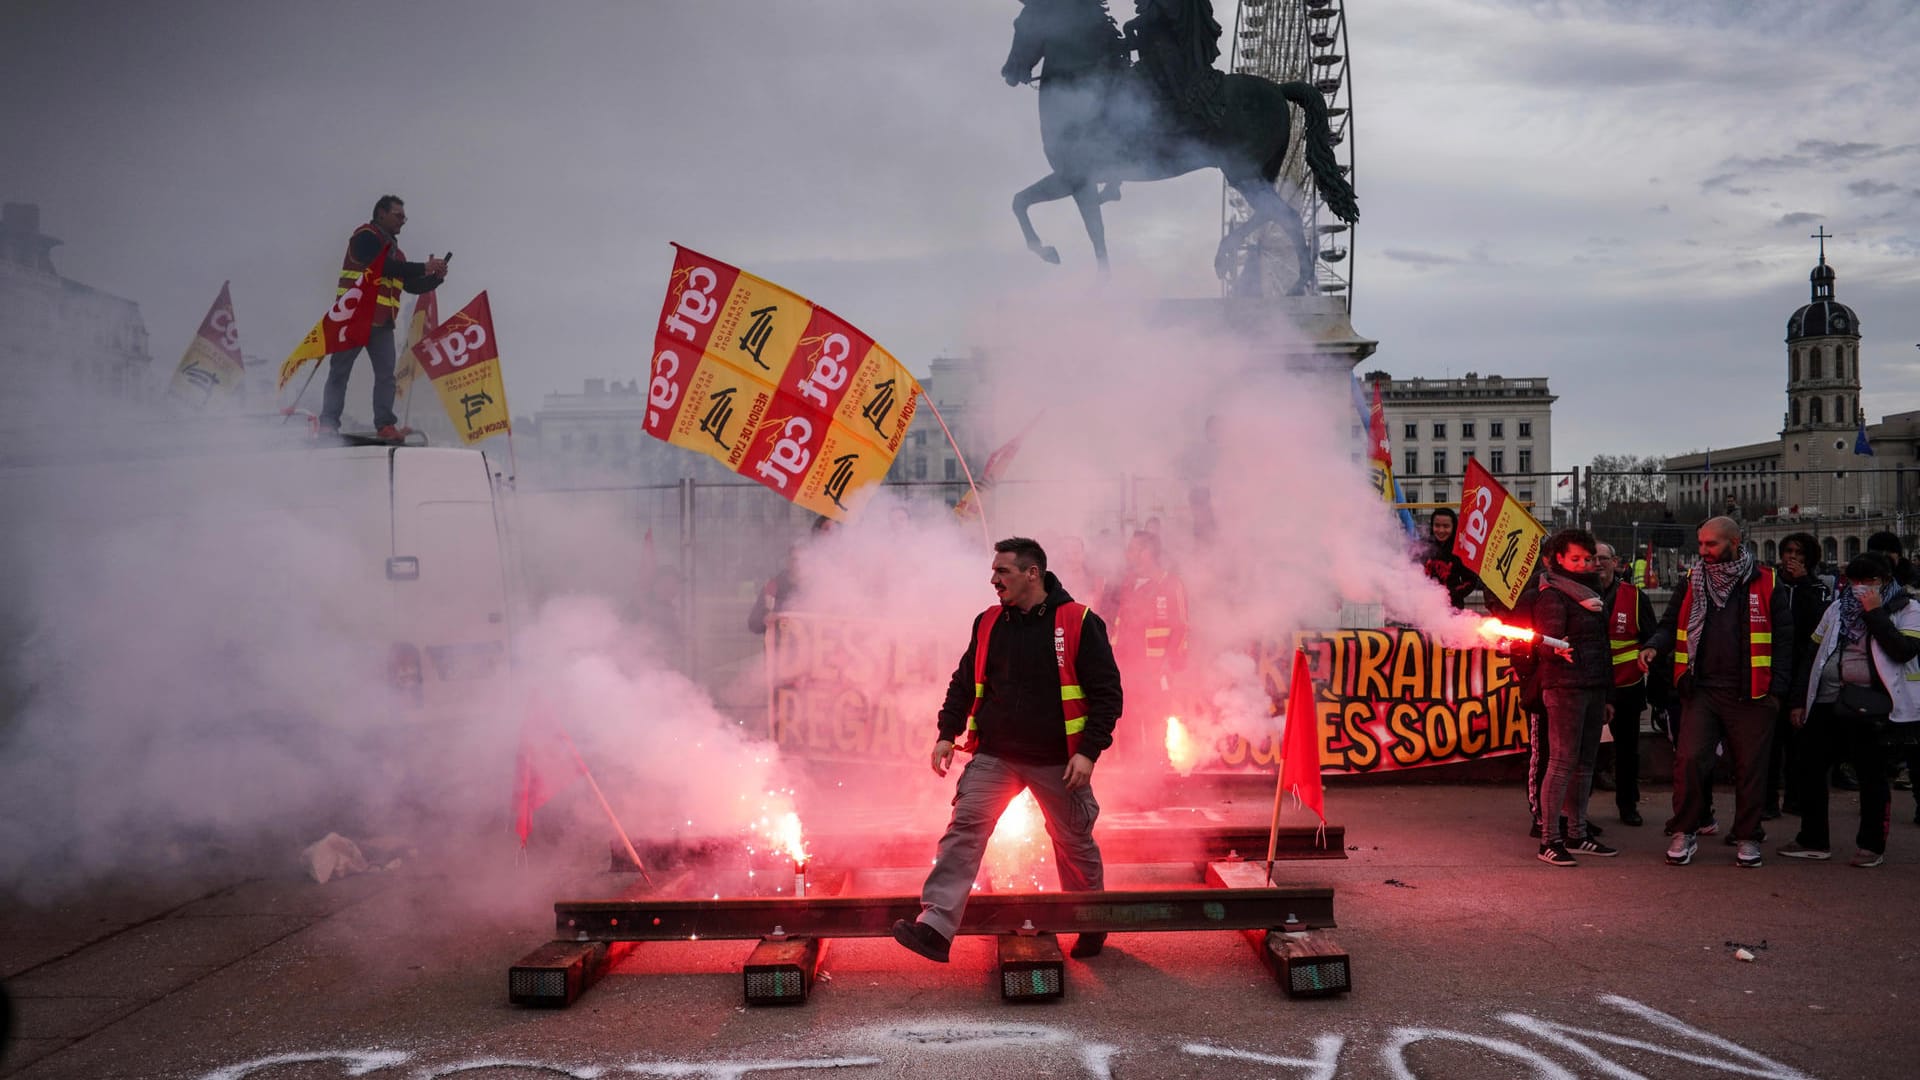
<point>1613,195</point>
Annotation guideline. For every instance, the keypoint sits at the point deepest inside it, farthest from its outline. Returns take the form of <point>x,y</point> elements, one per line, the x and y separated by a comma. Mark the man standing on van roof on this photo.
<point>1035,698</point>
<point>366,243</point>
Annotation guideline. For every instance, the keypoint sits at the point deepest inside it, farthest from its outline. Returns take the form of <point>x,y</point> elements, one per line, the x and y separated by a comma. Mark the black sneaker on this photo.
<point>1088,945</point>
<point>922,939</point>
<point>1534,830</point>
<point>1554,853</point>
<point>1630,816</point>
<point>1590,846</point>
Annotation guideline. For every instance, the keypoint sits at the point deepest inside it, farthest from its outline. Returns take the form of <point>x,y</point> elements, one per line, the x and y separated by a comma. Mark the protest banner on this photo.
<point>1385,700</point>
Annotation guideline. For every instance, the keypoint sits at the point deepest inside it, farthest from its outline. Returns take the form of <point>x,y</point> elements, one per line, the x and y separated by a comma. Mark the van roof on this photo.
<point>178,437</point>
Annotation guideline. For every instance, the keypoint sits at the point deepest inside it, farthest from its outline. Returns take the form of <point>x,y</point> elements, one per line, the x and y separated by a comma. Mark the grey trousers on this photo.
<point>985,788</point>
<point>340,370</point>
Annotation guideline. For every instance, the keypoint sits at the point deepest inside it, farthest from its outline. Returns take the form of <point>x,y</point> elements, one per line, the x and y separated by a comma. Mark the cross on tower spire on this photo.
<point>1823,236</point>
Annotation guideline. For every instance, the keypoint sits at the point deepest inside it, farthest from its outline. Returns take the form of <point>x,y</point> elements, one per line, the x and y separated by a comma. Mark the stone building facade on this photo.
<point>1437,425</point>
<point>61,341</point>
<point>1817,475</point>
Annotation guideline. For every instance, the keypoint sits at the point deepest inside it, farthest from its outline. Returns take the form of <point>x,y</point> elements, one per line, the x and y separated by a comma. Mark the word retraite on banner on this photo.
<point>1497,538</point>
<point>462,358</point>
<point>779,390</point>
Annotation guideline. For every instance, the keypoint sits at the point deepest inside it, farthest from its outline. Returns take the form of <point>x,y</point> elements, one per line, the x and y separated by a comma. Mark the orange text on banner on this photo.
<point>1392,699</point>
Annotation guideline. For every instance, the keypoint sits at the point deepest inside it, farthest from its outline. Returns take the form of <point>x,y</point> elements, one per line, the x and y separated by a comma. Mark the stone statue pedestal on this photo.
<point>1301,333</point>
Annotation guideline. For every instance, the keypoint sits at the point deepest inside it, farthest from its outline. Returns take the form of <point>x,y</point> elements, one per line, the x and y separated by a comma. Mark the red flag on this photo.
<point>546,763</point>
<point>1300,742</point>
<point>996,467</point>
<point>349,323</point>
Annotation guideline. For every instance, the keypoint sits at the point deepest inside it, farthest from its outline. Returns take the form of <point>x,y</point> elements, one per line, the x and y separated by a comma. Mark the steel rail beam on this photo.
<point>1115,911</point>
<point>1125,844</point>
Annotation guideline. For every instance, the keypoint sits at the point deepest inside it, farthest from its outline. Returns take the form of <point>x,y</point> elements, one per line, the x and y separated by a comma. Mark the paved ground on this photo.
<point>1470,959</point>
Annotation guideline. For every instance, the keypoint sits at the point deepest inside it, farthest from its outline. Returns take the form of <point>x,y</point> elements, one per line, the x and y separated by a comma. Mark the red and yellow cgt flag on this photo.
<point>346,325</point>
<point>212,365</point>
<point>426,316</point>
<point>1497,539</point>
<point>778,389</point>
<point>462,359</point>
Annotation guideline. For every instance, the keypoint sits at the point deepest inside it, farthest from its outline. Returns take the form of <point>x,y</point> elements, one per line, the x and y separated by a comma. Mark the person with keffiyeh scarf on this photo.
<point>1724,599</point>
<point>1574,685</point>
<point>1866,652</point>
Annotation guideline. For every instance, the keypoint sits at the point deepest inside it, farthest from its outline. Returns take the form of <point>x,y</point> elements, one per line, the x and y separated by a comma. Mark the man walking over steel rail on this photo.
<point>1035,698</point>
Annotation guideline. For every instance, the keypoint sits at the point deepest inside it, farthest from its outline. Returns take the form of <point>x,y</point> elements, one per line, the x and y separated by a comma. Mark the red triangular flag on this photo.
<point>545,764</point>
<point>1300,741</point>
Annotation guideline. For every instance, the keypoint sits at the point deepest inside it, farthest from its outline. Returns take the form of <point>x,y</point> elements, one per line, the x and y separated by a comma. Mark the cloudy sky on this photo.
<point>1613,195</point>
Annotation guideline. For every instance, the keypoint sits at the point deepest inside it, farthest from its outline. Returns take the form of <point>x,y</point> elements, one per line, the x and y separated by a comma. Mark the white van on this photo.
<point>385,563</point>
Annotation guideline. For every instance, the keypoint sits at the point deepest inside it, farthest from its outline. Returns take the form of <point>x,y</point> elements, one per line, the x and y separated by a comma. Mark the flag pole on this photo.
<point>286,414</point>
<point>985,529</point>
<point>619,829</point>
<point>1279,793</point>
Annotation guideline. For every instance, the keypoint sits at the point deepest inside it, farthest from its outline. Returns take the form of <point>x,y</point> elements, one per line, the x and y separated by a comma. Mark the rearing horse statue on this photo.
<point>1101,124</point>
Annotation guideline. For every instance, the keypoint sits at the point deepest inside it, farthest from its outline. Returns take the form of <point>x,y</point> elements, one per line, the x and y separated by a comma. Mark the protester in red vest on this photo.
<point>1630,623</point>
<point>1149,609</point>
<point>365,245</point>
<point>1730,629</point>
<point>1035,699</point>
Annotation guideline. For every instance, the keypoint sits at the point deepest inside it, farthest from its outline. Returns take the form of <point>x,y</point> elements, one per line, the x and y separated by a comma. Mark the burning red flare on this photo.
<point>786,834</point>
<point>1181,753</point>
<point>1018,848</point>
<point>1494,628</point>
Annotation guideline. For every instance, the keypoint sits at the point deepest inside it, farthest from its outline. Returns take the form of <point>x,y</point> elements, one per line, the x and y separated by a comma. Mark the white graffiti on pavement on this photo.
<point>359,1062</point>
<point>1596,1050</point>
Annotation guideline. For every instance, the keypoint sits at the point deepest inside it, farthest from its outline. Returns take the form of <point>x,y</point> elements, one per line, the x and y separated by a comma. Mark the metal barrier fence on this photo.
<point>688,558</point>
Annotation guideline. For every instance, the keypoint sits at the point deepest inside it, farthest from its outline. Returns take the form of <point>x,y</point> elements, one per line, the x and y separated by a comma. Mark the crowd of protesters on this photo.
<point>1797,682</point>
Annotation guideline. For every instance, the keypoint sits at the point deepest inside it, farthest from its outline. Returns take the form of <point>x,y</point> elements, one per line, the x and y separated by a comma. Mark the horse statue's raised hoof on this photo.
<point>1046,252</point>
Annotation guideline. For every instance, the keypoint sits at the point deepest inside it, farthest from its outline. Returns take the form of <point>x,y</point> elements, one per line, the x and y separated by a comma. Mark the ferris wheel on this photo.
<point>1296,41</point>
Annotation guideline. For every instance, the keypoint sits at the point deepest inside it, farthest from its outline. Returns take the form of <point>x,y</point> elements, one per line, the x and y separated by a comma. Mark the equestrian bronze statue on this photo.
<point>1105,120</point>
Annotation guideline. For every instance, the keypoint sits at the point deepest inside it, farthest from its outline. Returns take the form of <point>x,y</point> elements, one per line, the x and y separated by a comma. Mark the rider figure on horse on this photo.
<point>1178,41</point>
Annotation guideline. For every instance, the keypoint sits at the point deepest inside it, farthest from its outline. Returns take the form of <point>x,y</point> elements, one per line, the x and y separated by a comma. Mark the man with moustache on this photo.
<point>1035,699</point>
<point>1574,684</point>
<point>1730,629</point>
<point>397,274</point>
